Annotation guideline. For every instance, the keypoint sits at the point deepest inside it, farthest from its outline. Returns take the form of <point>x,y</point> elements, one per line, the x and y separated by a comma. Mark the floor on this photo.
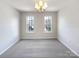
<point>49,48</point>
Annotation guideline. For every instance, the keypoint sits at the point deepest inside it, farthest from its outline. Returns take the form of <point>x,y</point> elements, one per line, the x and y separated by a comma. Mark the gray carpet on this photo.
<point>50,48</point>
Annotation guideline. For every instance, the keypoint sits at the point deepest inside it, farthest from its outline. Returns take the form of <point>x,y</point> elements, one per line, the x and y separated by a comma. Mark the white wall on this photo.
<point>68,26</point>
<point>38,25</point>
<point>9,26</point>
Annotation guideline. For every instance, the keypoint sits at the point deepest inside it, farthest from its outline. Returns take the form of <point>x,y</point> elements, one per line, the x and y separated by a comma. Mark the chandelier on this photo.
<point>40,5</point>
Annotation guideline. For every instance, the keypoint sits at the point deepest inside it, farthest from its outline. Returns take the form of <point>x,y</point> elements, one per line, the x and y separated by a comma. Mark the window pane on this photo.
<point>48,23</point>
<point>30,23</point>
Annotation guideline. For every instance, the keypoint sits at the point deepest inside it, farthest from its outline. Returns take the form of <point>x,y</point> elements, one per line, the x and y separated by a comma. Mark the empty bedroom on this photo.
<point>39,28</point>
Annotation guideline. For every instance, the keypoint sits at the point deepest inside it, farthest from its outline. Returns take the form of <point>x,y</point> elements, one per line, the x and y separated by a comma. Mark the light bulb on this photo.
<point>45,5</point>
<point>40,3</point>
<point>36,6</point>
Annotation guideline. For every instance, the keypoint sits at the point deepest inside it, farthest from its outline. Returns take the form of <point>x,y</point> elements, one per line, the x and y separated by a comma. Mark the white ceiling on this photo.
<point>28,5</point>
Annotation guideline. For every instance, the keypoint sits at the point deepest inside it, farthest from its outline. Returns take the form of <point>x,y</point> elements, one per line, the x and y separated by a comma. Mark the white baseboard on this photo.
<point>69,48</point>
<point>40,38</point>
<point>8,47</point>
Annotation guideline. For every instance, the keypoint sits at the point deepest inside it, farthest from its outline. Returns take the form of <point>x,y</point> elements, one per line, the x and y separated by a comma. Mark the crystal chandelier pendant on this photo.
<point>40,5</point>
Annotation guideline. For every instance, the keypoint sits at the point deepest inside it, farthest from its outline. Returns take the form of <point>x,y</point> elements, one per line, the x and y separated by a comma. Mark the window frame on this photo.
<point>50,17</point>
<point>27,20</point>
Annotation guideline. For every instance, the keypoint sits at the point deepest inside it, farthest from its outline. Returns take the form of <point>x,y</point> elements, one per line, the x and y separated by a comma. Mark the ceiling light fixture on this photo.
<point>40,5</point>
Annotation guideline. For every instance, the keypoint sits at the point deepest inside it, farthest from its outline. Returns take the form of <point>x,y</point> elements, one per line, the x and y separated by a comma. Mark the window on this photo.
<point>30,23</point>
<point>48,23</point>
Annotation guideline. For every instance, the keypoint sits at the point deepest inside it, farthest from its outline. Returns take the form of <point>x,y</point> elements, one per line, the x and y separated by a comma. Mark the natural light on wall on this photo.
<point>41,5</point>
